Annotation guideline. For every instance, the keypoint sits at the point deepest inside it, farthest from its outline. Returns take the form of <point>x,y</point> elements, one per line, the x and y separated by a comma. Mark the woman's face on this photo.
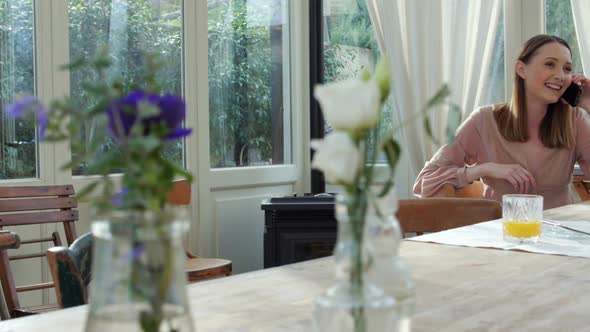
<point>548,73</point>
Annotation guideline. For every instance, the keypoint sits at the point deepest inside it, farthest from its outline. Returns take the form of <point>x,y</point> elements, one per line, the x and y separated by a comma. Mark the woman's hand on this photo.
<point>521,179</point>
<point>584,83</point>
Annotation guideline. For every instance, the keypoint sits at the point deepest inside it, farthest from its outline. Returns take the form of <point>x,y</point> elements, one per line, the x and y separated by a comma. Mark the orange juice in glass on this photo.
<point>521,218</point>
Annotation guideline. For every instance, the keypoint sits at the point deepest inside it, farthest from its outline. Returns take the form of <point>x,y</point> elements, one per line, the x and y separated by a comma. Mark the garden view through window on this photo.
<point>249,118</point>
<point>18,148</point>
<point>350,44</point>
<point>130,29</point>
<point>559,21</point>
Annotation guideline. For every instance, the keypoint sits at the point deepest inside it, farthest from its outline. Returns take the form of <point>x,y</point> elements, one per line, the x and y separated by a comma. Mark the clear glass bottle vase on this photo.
<point>389,271</point>
<point>138,281</point>
<point>353,303</point>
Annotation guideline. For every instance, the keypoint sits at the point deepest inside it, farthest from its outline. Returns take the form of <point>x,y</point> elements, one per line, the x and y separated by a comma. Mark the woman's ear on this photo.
<point>519,69</point>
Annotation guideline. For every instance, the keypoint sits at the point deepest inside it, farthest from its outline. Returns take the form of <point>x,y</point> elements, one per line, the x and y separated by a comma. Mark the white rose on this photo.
<point>336,156</point>
<point>351,104</point>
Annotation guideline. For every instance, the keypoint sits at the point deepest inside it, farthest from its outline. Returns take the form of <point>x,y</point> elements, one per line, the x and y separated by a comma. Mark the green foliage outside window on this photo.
<point>559,21</point>
<point>128,29</point>
<point>18,154</point>
<point>240,86</point>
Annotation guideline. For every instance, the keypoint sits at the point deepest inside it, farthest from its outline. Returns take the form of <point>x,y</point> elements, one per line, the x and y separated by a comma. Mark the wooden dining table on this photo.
<point>457,289</point>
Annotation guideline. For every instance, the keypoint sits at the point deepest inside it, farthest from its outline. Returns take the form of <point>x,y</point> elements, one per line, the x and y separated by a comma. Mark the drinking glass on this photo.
<point>521,218</point>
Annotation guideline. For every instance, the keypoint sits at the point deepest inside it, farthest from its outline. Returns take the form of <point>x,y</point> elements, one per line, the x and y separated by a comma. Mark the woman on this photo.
<point>528,146</point>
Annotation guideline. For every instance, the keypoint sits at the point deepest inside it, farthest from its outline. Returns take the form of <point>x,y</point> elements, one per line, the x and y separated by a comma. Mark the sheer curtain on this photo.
<point>580,9</point>
<point>428,43</point>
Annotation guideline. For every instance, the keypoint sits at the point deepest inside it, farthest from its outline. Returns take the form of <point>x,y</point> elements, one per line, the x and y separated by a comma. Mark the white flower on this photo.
<point>336,156</point>
<point>351,104</point>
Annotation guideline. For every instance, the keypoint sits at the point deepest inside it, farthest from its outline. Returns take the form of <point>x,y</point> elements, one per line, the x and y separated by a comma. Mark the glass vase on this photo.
<point>353,303</point>
<point>389,271</point>
<point>138,273</point>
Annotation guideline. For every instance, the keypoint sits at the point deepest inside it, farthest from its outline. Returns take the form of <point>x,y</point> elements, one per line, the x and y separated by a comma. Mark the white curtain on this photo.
<point>428,43</point>
<point>580,9</point>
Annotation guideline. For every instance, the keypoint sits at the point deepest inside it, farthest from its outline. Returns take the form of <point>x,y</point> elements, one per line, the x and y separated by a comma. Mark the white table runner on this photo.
<point>554,240</point>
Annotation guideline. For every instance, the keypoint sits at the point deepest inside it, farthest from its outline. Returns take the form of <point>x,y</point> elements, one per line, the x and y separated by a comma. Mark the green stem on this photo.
<point>357,209</point>
<point>358,194</point>
<point>161,271</point>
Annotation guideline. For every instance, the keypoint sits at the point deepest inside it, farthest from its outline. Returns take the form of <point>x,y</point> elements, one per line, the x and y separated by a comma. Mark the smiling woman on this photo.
<point>527,146</point>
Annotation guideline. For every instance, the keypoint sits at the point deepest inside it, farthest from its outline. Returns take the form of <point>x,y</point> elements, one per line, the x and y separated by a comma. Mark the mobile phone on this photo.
<point>572,94</point>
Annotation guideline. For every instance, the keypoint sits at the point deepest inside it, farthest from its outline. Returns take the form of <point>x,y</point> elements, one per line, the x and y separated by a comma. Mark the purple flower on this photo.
<point>136,252</point>
<point>27,105</point>
<point>173,113</point>
<point>123,115</point>
<point>117,199</point>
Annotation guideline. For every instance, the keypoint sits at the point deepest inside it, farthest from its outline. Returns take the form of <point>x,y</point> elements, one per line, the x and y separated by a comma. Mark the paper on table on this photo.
<point>554,240</point>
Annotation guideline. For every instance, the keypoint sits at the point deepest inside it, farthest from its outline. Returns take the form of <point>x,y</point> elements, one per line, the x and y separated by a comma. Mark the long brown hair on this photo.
<point>556,127</point>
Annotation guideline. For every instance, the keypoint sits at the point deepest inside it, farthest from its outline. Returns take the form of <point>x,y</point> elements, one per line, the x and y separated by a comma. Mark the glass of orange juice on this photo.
<point>521,218</point>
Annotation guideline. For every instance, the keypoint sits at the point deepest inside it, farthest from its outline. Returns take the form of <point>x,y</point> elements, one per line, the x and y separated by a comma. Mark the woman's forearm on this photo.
<point>476,172</point>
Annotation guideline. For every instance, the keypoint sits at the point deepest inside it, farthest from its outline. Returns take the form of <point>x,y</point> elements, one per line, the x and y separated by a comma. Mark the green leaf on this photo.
<point>392,152</point>
<point>438,99</point>
<point>454,119</point>
<point>439,96</point>
<point>383,77</point>
<point>150,321</point>
<point>365,74</point>
<point>428,128</point>
<point>73,65</point>
<point>88,189</point>
<point>106,163</point>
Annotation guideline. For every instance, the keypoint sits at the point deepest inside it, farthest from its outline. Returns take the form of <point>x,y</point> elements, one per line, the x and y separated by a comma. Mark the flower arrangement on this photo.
<point>348,156</point>
<point>140,121</point>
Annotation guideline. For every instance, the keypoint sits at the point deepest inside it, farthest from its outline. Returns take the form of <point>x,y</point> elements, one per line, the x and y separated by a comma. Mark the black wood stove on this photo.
<point>298,228</point>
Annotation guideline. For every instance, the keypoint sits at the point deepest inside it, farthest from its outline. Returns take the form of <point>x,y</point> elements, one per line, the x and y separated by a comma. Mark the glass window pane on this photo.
<point>129,28</point>
<point>18,148</point>
<point>349,41</point>
<point>249,83</point>
<point>559,22</point>
<point>350,45</point>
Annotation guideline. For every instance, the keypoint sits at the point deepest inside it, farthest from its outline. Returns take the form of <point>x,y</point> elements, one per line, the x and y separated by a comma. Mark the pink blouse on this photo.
<point>479,141</point>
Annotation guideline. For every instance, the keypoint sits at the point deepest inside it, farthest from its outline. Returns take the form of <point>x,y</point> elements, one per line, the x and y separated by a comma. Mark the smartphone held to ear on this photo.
<point>572,94</point>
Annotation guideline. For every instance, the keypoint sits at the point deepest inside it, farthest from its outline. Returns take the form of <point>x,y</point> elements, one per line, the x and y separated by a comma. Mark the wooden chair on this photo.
<point>198,268</point>
<point>581,184</point>
<point>439,214</point>
<point>8,240</point>
<point>71,271</point>
<point>34,205</point>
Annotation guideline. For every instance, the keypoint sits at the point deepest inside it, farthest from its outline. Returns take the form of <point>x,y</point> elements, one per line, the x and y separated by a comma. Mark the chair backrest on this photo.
<point>439,214</point>
<point>8,240</point>
<point>581,184</point>
<point>33,205</point>
<point>71,271</point>
<point>180,194</point>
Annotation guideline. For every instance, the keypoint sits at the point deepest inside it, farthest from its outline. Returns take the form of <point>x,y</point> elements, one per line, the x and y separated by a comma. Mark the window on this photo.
<point>18,150</point>
<point>129,28</point>
<point>350,45</point>
<point>248,83</point>
<point>559,21</point>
